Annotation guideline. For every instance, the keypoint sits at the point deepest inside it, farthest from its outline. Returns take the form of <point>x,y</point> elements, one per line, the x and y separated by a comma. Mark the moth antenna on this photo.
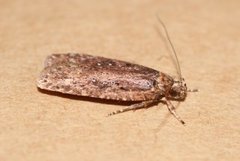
<point>172,47</point>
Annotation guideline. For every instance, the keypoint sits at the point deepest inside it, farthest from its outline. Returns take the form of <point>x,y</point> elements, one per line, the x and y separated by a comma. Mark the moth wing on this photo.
<point>86,75</point>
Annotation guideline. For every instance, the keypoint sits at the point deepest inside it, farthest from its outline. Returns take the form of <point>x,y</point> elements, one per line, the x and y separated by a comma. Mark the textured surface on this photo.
<point>94,76</point>
<point>37,126</point>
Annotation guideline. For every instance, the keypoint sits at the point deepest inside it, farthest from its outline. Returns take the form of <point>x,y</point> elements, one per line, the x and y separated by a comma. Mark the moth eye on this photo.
<point>173,93</point>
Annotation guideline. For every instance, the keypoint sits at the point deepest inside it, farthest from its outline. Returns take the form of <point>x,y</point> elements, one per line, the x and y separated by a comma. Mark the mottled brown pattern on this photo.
<point>86,75</point>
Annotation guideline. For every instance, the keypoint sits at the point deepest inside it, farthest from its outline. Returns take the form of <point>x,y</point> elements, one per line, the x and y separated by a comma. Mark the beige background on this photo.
<point>40,126</point>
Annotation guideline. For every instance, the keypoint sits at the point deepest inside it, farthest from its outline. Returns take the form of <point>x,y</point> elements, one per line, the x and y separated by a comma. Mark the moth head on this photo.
<point>178,90</point>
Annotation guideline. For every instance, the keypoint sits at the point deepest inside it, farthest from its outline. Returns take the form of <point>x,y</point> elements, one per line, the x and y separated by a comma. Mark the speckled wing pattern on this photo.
<point>93,76</point>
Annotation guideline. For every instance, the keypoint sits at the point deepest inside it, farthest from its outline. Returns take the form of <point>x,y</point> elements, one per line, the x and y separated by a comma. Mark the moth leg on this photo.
<point>136,106</point>
<point>171,109</point>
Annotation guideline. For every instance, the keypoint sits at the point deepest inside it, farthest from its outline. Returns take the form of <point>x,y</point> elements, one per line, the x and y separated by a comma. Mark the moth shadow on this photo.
<point>110,102</point>
<point>86,98</point>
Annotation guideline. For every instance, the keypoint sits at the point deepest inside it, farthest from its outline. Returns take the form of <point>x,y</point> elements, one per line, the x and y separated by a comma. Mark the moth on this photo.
<point>99,77</point>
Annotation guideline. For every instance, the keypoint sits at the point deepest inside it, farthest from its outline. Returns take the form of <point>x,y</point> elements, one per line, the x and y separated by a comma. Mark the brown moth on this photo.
<point>99,77</point>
